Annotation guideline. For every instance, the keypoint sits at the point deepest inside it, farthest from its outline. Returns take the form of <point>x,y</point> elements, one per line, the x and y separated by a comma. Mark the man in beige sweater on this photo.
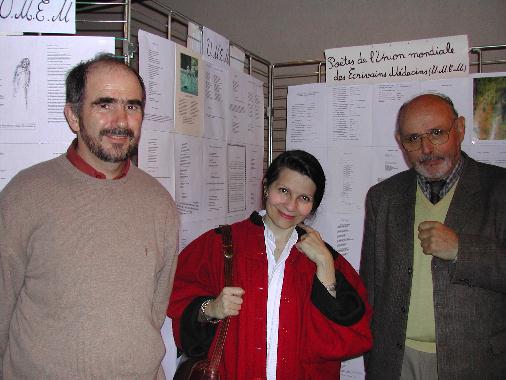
<point>88,245</point>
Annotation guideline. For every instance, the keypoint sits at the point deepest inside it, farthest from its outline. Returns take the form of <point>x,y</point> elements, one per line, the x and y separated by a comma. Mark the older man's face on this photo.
<point>421,116</point>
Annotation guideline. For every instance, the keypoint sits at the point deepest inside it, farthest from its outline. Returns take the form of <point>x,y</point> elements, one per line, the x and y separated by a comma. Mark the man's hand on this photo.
<point>438,240</point>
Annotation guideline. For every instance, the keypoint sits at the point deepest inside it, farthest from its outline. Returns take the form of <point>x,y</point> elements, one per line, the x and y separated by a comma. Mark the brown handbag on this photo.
<point>207,369</point>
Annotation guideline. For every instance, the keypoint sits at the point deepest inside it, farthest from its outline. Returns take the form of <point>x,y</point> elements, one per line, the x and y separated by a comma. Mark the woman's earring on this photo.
<point>266,194</point>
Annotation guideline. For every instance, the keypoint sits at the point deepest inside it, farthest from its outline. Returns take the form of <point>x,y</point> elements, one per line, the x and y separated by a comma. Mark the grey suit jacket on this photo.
<point>469,295</point>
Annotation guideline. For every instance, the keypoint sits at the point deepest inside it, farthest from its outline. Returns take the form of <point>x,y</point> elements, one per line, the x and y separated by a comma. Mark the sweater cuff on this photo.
<point>196,337</point>
<point>345,309</point>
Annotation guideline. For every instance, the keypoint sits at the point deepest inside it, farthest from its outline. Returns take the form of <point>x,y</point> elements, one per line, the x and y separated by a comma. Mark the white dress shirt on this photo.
<point>276,271</point>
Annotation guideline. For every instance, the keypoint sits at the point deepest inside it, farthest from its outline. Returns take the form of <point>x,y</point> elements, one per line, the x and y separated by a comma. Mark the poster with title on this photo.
<point>44,16</point>
<point>434,58</point>
<point>216,48</point>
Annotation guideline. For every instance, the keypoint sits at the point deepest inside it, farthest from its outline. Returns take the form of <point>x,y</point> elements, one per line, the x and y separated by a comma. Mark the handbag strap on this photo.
<point>228,253</point>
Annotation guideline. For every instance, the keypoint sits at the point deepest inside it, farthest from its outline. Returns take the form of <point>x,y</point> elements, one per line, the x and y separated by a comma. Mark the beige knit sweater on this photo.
<point>86,268</point>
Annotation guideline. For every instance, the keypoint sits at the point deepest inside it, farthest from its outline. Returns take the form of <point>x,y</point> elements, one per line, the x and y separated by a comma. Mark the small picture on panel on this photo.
<point>489,106</point>
<point>21,81</point>
<point>189,75</point>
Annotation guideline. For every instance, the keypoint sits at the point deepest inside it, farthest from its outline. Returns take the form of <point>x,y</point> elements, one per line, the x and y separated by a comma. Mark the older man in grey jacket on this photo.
<point>434,255</point>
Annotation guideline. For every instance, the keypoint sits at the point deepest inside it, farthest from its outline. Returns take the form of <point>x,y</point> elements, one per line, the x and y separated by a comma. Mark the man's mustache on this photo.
<point>117,132</point>
<point>429,157</point>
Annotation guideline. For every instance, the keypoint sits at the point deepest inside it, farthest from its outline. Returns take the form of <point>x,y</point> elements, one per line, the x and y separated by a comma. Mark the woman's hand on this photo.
<point>313,246</point>
<point>226,304</point>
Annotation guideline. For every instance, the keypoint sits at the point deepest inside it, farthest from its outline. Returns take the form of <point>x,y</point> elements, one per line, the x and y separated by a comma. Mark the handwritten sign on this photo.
<point>38,16</point>
<point>433,58</point>
<point>216,48</point>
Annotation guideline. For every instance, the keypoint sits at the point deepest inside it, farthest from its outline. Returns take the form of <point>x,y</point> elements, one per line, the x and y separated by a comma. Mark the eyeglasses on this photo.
<point>436,136</point>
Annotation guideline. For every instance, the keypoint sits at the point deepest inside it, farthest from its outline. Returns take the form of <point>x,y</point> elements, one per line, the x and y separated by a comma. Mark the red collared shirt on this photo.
<point>86,168</point>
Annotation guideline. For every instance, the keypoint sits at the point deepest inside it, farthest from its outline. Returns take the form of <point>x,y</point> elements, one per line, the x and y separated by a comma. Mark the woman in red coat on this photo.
<point>298,307</point>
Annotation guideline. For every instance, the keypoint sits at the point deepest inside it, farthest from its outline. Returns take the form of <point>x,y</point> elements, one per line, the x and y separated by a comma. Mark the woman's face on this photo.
<point>289,199</point>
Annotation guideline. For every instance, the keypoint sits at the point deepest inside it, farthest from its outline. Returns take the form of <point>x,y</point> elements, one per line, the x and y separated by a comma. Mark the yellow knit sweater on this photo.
<point>421,332</point>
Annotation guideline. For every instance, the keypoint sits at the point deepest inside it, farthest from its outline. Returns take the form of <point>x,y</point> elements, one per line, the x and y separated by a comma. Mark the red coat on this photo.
<point>310,345</point>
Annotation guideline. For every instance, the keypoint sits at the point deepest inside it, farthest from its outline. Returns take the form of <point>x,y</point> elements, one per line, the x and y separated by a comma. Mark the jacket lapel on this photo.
<point>463,205</point>
<point>402,212</point>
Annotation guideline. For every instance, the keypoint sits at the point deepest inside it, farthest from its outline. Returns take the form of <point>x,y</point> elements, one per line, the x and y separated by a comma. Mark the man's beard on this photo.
<point>118,153</point>
<point>443,169</point>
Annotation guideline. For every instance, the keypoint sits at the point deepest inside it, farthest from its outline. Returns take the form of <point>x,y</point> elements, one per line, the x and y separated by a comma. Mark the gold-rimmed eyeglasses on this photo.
<point>436,136</point>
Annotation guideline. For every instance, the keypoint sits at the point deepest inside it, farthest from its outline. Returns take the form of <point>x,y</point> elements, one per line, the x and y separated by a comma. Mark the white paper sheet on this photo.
<point>343,232</point>
<point>349,114</point>
<point>489,154</point>
<point>236,173</point>
<point>216,48</point>
<point>189,177</point>
<point>237,216</point>
<point>386,161</point>
<point>215,174</point>
<point>237,127</point>
<point>254,111</point>
<point>216,102</point>
<point>157,67</point>
<point>387,99</point>
<point>23,79</point>
<point>254,175</point>
<point>349,178</point>
<point>16,157</point>
<point>431,58</point>
<point>190,230</point>
<point>306,116</point>
<point>156,157</point>
<point>46,16</point>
